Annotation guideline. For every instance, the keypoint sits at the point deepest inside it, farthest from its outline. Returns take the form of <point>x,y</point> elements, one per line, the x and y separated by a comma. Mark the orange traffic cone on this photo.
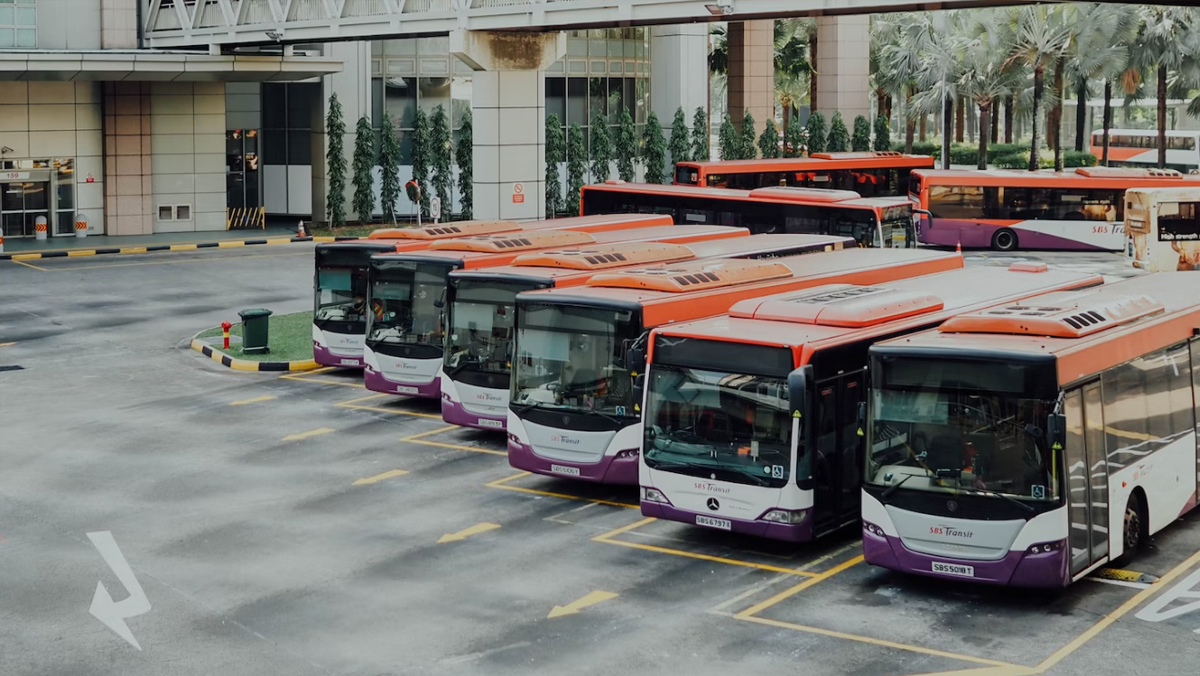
<point>300,230</point>
<point>958,248</point>
<point>1,242</point>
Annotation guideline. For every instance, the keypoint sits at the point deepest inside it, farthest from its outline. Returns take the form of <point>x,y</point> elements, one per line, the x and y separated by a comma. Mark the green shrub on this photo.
<point>919,147</point>
<point>997,149</point>
<point>1075,158</point>
<point>964,154</point>
<point>1020,160</point>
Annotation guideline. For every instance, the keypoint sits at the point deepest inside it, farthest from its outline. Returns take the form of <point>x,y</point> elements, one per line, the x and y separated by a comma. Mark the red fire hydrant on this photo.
<point>225,326</point>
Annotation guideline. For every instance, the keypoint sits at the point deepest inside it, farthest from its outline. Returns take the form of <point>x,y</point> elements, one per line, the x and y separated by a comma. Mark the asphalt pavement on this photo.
<point>298,524</point>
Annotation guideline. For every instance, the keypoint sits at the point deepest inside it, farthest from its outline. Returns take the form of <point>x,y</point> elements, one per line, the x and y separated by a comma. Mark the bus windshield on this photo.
<point>341,295</point>
<point>706,423</point>
<point>404,304</point>
<point>573,359</point>
<point>960,428</point>
<point>481,326</point>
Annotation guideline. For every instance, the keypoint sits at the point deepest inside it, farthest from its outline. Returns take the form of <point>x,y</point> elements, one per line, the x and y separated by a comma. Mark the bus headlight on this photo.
<point>654,495</point>
<point>1044,547</point>
<point>873,529</point>
<point>785,516</point>
<point>627,453</point>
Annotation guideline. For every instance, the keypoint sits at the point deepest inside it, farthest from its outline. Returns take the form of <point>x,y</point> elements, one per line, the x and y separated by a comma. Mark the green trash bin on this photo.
<point>255,330</point>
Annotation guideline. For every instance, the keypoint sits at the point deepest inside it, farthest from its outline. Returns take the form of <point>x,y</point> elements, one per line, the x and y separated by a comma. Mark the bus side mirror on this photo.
<point>800,403</point>
<point>635,360</point>
<point>639,390</point>
<point>798,400</point>
<point>1056,430</point>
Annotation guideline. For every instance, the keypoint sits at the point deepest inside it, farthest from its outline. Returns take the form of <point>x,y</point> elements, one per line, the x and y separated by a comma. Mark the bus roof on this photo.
<point>1146,132</point>
<point>485,251</point>
<point>555,266</point>
<point>458,229</point>
<point>782,195</point>
<point>818,161</point>
<point>1087,177</point>
<point>833,314</point>
<point>1190,193</point>
<point>738,280</point>
<point>1084,331</point>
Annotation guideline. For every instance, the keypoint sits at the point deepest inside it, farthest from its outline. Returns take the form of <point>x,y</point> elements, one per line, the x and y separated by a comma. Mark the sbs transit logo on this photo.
<point>950,532</point>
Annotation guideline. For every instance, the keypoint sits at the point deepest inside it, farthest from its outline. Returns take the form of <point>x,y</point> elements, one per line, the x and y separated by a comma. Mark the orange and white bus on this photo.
<point>870,174</point>
<point>1029,444</point>
<point>1010,210</point>
<point>1139,148</point>
<point>723,448</point>
<point>573,409</point>
<point>481,308</point>
<point>870,221</point>
<point>340,275</point>
<point>407,293</point>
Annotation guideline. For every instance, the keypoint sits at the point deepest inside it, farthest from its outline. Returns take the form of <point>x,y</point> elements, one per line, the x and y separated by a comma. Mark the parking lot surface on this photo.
<point>299,524</point>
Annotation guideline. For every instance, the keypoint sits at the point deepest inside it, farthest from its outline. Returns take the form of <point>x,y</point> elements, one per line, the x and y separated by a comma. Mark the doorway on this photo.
<point>1087,477</point>
<point>23,197</point>
<point>836,455</point>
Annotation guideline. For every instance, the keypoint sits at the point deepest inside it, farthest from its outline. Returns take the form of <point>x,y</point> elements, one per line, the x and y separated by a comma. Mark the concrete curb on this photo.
<point>247,365</point>
<point>163,248</point>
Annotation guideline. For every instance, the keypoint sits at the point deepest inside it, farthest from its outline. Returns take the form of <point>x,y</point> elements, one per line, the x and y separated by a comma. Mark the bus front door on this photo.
<point>1087,478</point>
<point>836,473</point>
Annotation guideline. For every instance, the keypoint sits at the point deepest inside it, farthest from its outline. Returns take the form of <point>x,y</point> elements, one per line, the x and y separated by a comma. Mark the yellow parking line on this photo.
<point>788,593</point>
<point>502,483</point>
<point>353,404</point>
<point>76,254</point>
<point>8,344</point>
<point>324,381</point>
<point>310,433</point>
<point>606,538</point>
<point>254,400</point>
<point>29,265</point>
<point>886,644</point>
<point>380,477</point>
<point>430,433</point>
<point>420,439</point>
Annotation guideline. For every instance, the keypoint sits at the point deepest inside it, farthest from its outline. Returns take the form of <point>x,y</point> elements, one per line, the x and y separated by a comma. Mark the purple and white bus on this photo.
<point>1010,210</point>
<point>1030,443</point>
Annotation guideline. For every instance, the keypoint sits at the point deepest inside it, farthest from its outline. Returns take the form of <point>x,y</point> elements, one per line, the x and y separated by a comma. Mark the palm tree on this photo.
<point>1168,41</point>
<point>906,37</point>
<point>1100,51</point>
<point>1041,39</point>
<point>793,68</point>
<point>938,70</point>
<point>985,78</point>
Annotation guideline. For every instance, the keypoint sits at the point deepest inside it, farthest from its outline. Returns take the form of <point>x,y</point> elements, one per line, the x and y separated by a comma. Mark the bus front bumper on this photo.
<point>798,532</point>
<point>621,468</point>
<point>377,382</point>
<point>1043,569</point>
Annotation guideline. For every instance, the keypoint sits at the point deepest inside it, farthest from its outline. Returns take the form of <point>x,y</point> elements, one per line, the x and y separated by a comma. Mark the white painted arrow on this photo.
<point>114,613</point>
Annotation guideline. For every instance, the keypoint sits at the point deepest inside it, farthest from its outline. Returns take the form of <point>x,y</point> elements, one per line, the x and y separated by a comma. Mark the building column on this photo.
<point>843,67</point>
<point>678,70</point>
<point>353,88</point>
<point>751,71</point>
<point>128,175</point>
<point>508,109</point>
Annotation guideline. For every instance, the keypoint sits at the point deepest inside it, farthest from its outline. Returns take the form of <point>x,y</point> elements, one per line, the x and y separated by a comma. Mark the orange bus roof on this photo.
<point>843,313</point>
<point>791,194</point>
<point>852,266</point>
<point>746,195</point>
<point>696,276</point>
<point>1147,329</point>
<point>610,256</point>
<point>458,229</point>
<point>816,162</point>
<point>1093,177</point>
<point>502,249</point>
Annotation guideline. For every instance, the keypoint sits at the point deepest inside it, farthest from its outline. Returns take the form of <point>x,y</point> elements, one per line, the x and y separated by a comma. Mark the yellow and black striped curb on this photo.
<point>248,365</point>
<point>163,248</point>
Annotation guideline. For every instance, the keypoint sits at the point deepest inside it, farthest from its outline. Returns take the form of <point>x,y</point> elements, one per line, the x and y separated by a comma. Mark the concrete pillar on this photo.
<point>751,71</point>
<point>353,88</point>
<point>128,174</point>
<point>508,108</point>
<point>843,67</point>
<point>678,70</point>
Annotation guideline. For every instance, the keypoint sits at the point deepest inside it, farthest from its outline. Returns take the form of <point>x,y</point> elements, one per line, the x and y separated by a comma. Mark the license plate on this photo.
<point>563,469</point>
<point>405,389</point>
<point>953,569</point>
<point>349,362</point>
<point>499,425</point>
<point>723,524</point>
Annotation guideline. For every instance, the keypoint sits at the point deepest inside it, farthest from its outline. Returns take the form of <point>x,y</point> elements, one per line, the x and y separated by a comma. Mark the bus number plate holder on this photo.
<point>497,425</point>
<point>723,524</point>
<point>953,569</point>
<point>564,470</point>
<point>406,389</point>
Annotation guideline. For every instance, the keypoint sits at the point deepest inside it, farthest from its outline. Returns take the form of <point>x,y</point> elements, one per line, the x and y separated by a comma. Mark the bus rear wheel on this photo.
<point>1004,240</point>
<point>1134,531</point>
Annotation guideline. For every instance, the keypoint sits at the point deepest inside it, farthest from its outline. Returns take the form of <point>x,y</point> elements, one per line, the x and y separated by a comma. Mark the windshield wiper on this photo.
<point>890,489</point>
<point>668,465</point>
<point>606,416</point>
<point>462,364</point>
<point>980,491</point>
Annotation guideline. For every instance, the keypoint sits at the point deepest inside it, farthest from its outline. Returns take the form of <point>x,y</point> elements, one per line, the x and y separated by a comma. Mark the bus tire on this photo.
<point>1133,534</point>
<point>1005,239</point>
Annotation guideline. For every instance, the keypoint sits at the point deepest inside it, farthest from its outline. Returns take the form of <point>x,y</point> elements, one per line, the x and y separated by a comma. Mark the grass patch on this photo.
<point>289,337</point>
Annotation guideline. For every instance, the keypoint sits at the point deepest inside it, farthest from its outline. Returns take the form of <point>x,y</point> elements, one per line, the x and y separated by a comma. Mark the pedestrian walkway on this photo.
<point>29,249</point>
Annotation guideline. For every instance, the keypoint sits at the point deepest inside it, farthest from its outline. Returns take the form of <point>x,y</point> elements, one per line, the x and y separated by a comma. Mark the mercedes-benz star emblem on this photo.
<point>713,504</point>
<point>566,420</point>
<point>952,506</point>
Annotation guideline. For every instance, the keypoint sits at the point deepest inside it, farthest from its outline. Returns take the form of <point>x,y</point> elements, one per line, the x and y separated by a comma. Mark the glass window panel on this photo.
<point>26,38</point>
<point>577,100</point>
<point>376,103</point>
<point>614,99</point>
<point>598,48</point>
<point>6,16</point>
<point>1125,412</point>
<point>65,184</point>
<point>597,97</point>
<point>299,147</point>
<point>630,48</point>
<point>35,196</point>
<point>576,47</point>
<point>400,100</point>
<point>7,41</point>
<point>433,92</point>
<point>460,100</point>
<point>406,144</point>
<point>274,146</point>
<point>274,105</point>
<point>235,190</point>
<point>556,97</point>
<point>64,223</point>
<point>302,101</point>
<point>26,16</point>
<point>1097,470</point>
